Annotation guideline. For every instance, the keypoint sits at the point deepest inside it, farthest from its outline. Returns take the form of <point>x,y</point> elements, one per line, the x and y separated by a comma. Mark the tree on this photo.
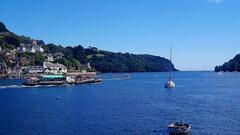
<point>62,61</point>
<point>79,54</point>
<point>39,59</point>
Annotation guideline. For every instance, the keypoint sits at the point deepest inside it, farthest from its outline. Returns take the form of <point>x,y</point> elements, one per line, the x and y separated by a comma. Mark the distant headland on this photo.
<point>21,55</point>
<point>232,65</point>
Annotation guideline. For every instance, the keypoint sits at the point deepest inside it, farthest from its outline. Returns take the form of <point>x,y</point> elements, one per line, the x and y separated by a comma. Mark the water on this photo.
<point>139,106</point>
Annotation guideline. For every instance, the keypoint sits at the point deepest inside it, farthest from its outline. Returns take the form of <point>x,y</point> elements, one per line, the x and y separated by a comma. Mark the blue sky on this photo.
<point>203,33</point>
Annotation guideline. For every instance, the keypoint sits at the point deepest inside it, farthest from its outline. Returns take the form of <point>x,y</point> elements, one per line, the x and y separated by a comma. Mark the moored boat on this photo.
<point>91,80</point>
<point>125,77</point>
<point>179,128</point>
<point>46,80</point>
<point>170,83</point>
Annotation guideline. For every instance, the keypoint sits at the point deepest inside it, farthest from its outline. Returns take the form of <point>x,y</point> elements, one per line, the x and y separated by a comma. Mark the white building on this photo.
<point>89,66</point>
<point>48,57</point>
<point>54,68</point>
<point>31,47</point>
<point>35,70</point>
<point>22,48</point>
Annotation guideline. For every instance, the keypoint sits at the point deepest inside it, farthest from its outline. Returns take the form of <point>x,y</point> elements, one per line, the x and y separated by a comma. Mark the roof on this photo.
<point>52,76</point>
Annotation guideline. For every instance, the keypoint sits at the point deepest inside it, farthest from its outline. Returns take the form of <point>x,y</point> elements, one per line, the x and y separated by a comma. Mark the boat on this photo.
<point>179,128</point>
<point>46,80</point>
<point>170,83</point>
<point>71,80</point>
<point>220,71</point>
<point>90,80</point>
<point>126,77</point>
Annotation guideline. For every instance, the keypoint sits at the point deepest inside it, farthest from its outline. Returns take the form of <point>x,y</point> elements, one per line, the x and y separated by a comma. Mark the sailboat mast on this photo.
<point>170,67</point>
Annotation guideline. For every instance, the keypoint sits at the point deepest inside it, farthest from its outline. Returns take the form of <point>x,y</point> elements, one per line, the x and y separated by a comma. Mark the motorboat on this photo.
<point>179,128</point>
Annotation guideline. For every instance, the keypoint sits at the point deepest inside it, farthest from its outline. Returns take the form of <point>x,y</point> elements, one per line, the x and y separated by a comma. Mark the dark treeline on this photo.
<point>105,61</point>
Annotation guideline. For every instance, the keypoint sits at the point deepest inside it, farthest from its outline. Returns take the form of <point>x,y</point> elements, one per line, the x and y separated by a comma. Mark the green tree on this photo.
<point>62,61</point>
<point>39,59</point>
<point>79,54</point>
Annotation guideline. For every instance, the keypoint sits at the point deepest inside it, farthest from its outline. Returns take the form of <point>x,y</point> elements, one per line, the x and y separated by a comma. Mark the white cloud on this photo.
<point>216,1</point>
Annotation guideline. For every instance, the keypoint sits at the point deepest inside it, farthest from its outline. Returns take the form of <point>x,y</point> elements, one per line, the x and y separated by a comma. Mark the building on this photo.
<point>58,55</point>
<point>54,68</point>
<point>22,48</point>
<point>48,57</point>
<point>35,70</point>
<point>30,47</point>
<point>89,66</point>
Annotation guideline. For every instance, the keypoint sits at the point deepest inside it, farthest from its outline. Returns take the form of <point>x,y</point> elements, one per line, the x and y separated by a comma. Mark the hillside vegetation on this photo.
<point>230,66</point>
<point>74,57</point>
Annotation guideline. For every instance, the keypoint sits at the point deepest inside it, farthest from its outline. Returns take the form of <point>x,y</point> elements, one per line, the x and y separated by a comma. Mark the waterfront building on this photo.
<point>54,68</point>
<point>35,69</point>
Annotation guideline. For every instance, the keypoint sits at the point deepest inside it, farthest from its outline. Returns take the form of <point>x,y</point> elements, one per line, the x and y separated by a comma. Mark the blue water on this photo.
<point>139,106</point>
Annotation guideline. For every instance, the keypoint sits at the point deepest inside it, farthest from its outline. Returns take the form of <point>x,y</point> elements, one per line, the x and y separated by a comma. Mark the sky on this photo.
<point>202,33</point>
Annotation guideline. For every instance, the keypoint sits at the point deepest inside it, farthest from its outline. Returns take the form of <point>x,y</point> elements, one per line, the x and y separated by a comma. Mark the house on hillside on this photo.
<point>58,55</point>
<point>48,57</point>
<point>54,68</point>
<point>30,47</point>
<point>22,48</point>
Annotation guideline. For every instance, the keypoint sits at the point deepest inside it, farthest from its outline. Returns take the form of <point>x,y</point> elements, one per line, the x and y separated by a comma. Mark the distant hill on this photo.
<point>3,28</point>
<point>230,66</point>
<point>103,61</point>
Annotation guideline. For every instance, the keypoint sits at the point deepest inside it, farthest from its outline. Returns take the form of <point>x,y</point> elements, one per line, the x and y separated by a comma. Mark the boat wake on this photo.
<point>112,79</point>
<point>23,86</point>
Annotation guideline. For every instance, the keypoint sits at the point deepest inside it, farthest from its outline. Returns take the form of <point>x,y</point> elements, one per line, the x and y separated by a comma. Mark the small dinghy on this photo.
<point>179,128</point>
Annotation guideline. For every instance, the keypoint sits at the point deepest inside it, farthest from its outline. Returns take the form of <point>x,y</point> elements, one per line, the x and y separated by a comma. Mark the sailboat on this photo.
<point>220,71</point>
<point>170,84</point>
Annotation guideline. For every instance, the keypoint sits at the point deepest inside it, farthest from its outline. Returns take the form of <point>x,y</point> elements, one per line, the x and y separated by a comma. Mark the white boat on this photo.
<point>220,71</point>
<point>170,83</point>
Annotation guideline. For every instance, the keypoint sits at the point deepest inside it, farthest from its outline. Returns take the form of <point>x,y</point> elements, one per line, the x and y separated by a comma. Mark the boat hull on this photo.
<point>175,129</point>
<point>89,81</point>
<point>52,83</point>
<point>170,84</point>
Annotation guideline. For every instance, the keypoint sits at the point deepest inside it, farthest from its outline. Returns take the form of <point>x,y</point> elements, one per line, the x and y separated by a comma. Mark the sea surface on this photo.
<point>209,102</point>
